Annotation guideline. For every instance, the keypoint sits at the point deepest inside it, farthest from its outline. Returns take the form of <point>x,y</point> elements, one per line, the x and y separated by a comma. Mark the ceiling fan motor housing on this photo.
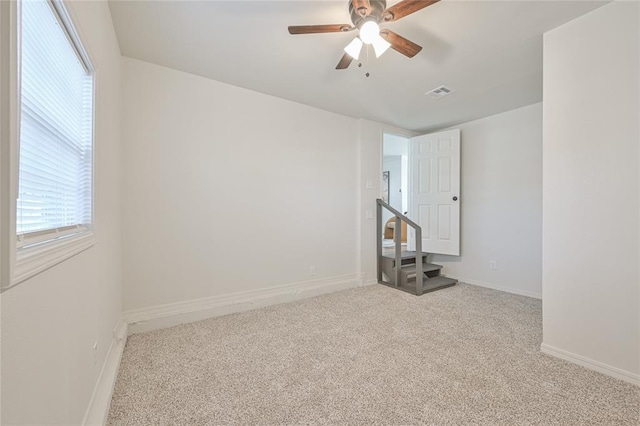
<point>377,7</point>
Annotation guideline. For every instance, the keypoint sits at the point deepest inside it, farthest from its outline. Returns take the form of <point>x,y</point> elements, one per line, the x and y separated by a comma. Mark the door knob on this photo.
<point>455,198</point>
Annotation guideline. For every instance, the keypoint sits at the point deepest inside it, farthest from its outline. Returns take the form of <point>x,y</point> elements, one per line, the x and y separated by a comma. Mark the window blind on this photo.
<point>56,128</point>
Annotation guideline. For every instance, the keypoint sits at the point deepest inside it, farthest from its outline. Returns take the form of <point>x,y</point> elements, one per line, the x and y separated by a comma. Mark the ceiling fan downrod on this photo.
<point>366,10</point>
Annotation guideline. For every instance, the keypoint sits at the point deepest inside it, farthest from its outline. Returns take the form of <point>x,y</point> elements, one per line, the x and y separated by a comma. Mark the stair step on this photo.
<point>410,270</point>
<point>403,255</point>
<point>431,284</point>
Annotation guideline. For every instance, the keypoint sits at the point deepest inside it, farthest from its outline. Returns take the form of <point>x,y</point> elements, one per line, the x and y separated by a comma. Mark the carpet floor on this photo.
<point>366,356</point>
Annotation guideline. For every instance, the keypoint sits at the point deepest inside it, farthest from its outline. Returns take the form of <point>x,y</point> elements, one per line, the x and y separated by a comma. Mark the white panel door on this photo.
<point>435,190</point>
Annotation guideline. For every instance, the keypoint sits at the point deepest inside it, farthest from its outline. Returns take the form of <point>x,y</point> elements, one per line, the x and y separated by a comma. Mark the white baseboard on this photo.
<point>495,287</point>
<point>98,409</point>
<point>162,316</point>
<point>368,282</point>
<point>598,366</point>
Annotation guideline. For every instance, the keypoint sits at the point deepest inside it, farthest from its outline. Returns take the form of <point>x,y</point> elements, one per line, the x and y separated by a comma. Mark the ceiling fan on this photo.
<point>366,15</point>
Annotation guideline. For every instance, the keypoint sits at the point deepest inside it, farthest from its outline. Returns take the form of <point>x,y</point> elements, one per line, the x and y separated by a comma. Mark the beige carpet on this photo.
<point>373,355</point>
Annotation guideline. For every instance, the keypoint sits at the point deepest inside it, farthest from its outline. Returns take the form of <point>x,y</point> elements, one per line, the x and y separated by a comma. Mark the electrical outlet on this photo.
<point>95,353</point>
<point>312,270</point>
<point>369,214</point>
<point>493,264</point>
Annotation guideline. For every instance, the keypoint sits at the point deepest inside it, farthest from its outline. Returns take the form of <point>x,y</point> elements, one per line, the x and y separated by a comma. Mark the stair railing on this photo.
<point>399,218</point>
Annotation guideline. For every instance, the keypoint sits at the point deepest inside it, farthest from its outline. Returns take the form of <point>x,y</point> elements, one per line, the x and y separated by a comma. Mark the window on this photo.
<point>54,201</point>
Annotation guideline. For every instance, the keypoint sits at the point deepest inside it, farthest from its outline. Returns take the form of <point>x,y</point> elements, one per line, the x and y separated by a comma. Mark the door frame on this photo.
<point>406,135</point>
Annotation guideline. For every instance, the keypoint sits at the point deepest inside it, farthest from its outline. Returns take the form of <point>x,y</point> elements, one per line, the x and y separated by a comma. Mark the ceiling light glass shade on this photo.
<point>353,49</point>
<point>369,31</point>
<point>380,46</point>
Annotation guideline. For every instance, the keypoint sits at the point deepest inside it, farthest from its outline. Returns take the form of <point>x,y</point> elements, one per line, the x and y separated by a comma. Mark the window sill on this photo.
<point>34,259</point>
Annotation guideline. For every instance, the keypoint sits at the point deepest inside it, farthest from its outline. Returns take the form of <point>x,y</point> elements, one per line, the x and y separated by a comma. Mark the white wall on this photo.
<point>399,145</point>
<point>501,200</point>
<point>501,203</point>
<point>50,322</point>
<point>591,190</point>
<point>230,190</point>
<point>4,161</point>
<point>393,164</point>
<point>5,36</point>
<point>395,144</point>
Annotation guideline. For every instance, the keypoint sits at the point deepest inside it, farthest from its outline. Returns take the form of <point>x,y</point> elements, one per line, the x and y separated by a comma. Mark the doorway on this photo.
<point>395,185</point>
<point>421,179</point>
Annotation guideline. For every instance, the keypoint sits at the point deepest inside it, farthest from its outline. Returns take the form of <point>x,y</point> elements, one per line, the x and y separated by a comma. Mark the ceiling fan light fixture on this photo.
<point>369,32</point>
<point>353,49</point>
<point>366,16</point>
<point>380,46</point>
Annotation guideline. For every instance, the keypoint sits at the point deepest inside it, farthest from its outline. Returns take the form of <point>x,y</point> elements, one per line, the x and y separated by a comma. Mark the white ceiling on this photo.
<point>490,52</point>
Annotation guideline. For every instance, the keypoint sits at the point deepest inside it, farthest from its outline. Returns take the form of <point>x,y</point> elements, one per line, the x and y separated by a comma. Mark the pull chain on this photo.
<point>366,60</point>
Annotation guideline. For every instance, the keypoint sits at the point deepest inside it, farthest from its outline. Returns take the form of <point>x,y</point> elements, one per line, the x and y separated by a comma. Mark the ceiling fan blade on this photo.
<point>344,62</point>
<point>316,29</point>
<point>404,8</point>
<point>401,44</point>
<point>363,7</point>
